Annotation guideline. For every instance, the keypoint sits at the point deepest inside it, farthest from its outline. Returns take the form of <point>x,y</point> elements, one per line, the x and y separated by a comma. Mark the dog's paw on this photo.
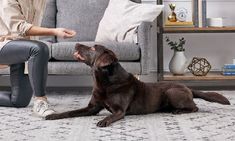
<point>104,123</point>
<point>176,112</point>
<point>52,117</point>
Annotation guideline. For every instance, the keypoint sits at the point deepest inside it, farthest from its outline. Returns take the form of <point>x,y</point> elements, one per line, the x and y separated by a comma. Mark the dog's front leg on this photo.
<point>87,111</point>
<point>110,119</point>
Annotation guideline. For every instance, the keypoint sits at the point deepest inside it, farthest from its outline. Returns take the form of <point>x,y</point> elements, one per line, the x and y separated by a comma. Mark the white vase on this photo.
<point>178,63</point>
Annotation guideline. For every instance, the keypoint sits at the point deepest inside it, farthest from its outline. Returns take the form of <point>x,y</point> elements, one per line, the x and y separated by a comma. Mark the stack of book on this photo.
<point>228,69</point>
<point>199,13</point>
<point>179,24</point>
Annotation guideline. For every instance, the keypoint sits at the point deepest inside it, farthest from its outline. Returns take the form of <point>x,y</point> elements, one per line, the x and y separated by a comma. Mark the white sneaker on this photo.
<point>41,108</point>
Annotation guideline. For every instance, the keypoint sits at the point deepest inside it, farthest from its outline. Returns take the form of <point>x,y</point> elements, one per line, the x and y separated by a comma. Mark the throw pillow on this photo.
<point>121,19</point>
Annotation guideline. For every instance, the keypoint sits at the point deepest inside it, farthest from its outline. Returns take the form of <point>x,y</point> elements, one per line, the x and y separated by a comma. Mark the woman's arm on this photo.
<point>13,17</point>
<point>42,31</point>
<point>16,23</point>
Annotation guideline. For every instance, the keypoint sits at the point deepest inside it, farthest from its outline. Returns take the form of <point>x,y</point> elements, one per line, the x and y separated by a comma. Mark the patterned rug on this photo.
<point>213,122</point>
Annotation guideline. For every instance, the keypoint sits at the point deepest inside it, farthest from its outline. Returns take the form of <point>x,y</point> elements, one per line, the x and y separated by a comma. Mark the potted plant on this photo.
<point>178,63</point>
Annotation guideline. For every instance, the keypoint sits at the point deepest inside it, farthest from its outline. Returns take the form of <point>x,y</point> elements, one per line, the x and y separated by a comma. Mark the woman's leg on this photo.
<point>14,54</point>
<point>21,91</point>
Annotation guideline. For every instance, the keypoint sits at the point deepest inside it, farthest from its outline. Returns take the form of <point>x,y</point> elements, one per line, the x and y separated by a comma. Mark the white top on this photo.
<point>17,17</point>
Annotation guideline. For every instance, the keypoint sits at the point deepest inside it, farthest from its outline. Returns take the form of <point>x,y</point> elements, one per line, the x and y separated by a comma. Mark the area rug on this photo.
<point>213,122</point>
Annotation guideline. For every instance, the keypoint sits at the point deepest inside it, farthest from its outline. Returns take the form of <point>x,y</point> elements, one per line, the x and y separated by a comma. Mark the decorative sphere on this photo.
<point>199,66</point>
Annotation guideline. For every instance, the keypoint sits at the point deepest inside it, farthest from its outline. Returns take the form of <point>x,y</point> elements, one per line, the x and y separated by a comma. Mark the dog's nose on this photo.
<point>92,48</point>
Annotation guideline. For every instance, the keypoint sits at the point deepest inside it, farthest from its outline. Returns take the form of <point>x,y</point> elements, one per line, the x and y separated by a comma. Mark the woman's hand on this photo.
<point>64,33</point>
<point>8,37</point>
<point>42,31</point>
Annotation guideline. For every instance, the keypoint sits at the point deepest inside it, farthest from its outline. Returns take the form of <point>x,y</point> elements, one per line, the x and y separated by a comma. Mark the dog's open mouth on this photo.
<point>78,57</point>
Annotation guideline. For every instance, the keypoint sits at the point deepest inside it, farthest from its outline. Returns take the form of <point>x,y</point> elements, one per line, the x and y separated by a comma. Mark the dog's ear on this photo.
<point>106,60</point>
<point>77,46</point>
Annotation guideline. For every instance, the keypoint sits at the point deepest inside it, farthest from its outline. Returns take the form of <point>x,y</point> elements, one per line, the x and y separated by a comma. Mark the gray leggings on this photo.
<point>23,86</point>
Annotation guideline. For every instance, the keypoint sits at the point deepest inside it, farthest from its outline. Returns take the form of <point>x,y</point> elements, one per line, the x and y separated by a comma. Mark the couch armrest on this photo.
<point>146,44</point>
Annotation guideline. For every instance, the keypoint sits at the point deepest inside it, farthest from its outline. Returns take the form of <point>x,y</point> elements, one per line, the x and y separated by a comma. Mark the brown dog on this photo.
<point>122,94</point>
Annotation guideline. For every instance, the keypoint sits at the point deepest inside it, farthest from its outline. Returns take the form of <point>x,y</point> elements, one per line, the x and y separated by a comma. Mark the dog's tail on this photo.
<point>211,97</point>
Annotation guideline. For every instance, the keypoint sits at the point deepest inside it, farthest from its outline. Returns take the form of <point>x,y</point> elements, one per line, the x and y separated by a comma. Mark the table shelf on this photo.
<point>198,29</point>
<point>188,76</point>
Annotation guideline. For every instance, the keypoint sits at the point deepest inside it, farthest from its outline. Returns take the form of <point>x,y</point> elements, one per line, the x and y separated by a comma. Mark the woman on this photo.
<point>19,20</point>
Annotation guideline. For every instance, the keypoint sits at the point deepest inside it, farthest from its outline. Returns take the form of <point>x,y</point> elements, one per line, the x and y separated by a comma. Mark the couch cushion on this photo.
<point>49,19</point>
<point>82,16</point>
<point>124,51</point>
<point>121,19</point>
<point>76,68</point>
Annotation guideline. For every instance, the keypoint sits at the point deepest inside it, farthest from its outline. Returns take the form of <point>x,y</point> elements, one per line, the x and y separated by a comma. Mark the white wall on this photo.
<point>217,48</point>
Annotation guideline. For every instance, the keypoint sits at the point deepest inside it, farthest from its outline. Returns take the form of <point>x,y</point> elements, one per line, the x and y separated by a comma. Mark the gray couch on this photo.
<point>83,16</point>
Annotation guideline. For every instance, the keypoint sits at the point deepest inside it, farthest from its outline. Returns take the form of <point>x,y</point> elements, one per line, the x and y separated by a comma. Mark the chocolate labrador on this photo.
<point>122,94</point>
